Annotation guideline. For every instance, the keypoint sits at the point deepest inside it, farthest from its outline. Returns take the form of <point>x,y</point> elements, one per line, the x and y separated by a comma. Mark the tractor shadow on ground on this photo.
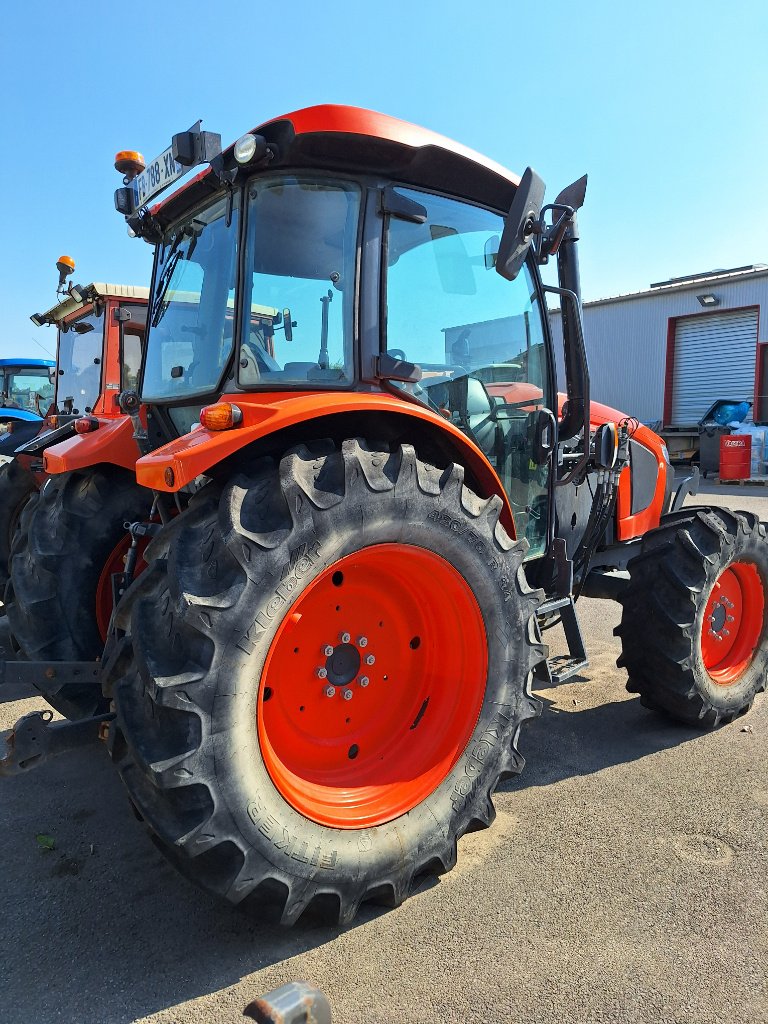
<point>101,929</point>
<point>573,737</point>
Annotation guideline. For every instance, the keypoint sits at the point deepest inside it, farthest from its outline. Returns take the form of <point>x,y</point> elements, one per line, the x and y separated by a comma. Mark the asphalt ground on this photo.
<point>624,880</point>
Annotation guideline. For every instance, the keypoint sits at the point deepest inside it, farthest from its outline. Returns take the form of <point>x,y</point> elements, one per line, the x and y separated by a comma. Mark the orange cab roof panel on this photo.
<point>334,137</point>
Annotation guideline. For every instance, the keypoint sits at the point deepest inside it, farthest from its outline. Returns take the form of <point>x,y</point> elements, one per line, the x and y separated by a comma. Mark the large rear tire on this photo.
<point>17,486</point>
<point>58,598</point>
<point>694,624</point>
<point>285,788</point>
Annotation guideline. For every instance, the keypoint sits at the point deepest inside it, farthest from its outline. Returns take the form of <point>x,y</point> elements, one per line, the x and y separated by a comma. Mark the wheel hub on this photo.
<point>343,665</point>
<point>719,616</point>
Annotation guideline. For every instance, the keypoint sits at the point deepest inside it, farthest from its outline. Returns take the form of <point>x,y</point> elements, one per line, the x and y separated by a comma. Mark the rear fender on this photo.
<point>377,416</point>
<point>113,443</point>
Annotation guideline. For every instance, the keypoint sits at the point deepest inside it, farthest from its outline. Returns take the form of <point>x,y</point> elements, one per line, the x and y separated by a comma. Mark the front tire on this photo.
<point>401,586</point>
<point>694,624</point>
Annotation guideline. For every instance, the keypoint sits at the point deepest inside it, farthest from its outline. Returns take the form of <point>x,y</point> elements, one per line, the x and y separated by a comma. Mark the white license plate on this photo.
<point>158,174</point>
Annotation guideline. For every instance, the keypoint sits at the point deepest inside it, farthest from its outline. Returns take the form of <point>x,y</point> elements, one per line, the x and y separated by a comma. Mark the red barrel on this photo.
<point>735,457</point>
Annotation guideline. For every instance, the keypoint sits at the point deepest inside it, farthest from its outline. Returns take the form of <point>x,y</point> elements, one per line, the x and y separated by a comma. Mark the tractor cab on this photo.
<point>100,336</point>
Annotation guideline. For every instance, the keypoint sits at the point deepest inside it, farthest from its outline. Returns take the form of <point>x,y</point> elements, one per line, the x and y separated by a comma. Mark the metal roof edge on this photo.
<point>99,289</point>
<point>685,286</point>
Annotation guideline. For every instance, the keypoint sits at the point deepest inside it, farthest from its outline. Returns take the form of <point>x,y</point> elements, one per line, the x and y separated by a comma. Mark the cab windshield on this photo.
<point>28,388</point>
<point>78,367</point>
<point>190,325</point>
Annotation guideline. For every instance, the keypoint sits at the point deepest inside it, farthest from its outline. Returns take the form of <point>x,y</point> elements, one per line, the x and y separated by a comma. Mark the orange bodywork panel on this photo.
<point>628,526</point>
<point>113,443</point>
<point>182,460</point>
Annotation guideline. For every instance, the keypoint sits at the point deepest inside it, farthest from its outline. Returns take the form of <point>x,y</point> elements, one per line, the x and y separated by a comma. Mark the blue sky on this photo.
<point>663,104</point>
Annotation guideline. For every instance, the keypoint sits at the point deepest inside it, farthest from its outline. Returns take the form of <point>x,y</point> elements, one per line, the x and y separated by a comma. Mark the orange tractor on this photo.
<point>100,330</point>
<point>366,499</point>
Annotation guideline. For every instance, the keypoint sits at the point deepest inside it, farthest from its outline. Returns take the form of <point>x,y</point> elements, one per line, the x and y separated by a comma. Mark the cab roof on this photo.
<point>23,361</point>
<point>97,290</point>
<point>352,139</point>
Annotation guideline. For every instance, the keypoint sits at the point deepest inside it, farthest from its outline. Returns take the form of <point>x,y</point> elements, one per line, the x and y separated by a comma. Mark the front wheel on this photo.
<point>694,624</point>
<point>331,662</point>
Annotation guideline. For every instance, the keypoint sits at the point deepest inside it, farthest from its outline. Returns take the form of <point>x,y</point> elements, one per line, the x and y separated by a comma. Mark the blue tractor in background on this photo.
<point>26,392</point>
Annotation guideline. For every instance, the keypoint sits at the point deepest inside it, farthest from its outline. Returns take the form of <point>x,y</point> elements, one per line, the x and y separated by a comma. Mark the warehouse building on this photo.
<point>665,355</point>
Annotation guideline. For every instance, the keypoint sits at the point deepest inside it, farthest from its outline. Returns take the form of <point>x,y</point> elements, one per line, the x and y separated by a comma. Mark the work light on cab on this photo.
<point>249,148</point>
<point>221,416</point>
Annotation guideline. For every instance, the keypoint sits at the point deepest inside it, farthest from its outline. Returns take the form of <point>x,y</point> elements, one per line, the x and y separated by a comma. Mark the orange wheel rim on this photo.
<point>372,686</point>
<point>115,563</point>
<point>733,623</point>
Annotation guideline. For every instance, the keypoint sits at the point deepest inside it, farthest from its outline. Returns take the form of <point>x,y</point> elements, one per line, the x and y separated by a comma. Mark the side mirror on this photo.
<point>520,225</point>
<point>288,324</point>
<point>606,445</point>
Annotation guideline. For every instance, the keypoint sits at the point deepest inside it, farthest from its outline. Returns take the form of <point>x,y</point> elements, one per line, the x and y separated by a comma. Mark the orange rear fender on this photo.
<point>182,460</point>
<point>112,443</point>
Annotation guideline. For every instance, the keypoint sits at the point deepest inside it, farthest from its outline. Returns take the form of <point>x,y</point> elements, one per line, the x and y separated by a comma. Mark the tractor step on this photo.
<point>563,666</point>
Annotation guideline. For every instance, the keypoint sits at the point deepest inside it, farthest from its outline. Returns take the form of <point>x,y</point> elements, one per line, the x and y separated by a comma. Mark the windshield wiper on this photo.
<point>159,306</point>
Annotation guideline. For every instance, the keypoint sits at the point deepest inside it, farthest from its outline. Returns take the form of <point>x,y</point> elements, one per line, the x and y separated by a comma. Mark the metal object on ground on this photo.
<point>294,1003</point>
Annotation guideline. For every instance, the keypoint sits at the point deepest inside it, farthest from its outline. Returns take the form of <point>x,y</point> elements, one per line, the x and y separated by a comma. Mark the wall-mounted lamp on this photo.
<point>708,300</point>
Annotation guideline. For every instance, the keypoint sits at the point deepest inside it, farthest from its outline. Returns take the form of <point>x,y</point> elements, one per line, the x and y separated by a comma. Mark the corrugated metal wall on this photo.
<point>627,339</point>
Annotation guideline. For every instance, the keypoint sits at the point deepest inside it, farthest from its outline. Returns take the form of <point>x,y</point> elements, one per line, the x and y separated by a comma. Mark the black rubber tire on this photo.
<point>663,611</point>
<point>185,738</point>
<point>17,486</point>
<point>66,535</point>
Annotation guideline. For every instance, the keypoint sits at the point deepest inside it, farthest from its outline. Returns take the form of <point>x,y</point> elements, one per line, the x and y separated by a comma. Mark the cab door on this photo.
<point>481,343</point>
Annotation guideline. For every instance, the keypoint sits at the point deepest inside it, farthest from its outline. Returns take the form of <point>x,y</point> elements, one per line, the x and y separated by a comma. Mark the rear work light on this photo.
<point>222,416</point>
<point>86,424</point>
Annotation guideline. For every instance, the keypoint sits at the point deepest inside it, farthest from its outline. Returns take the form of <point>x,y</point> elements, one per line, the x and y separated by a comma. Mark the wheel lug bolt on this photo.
<point>363,680</point>
<point>327,650</point>
<point>345,637</point>
<point>726,632</point>
<point>321,672</point>
<point>330,691</point>
<point>362,641</point>
<point>370,660</point>
<point>711,632</point>
<point>729,618</point>
<point>347,695</point>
